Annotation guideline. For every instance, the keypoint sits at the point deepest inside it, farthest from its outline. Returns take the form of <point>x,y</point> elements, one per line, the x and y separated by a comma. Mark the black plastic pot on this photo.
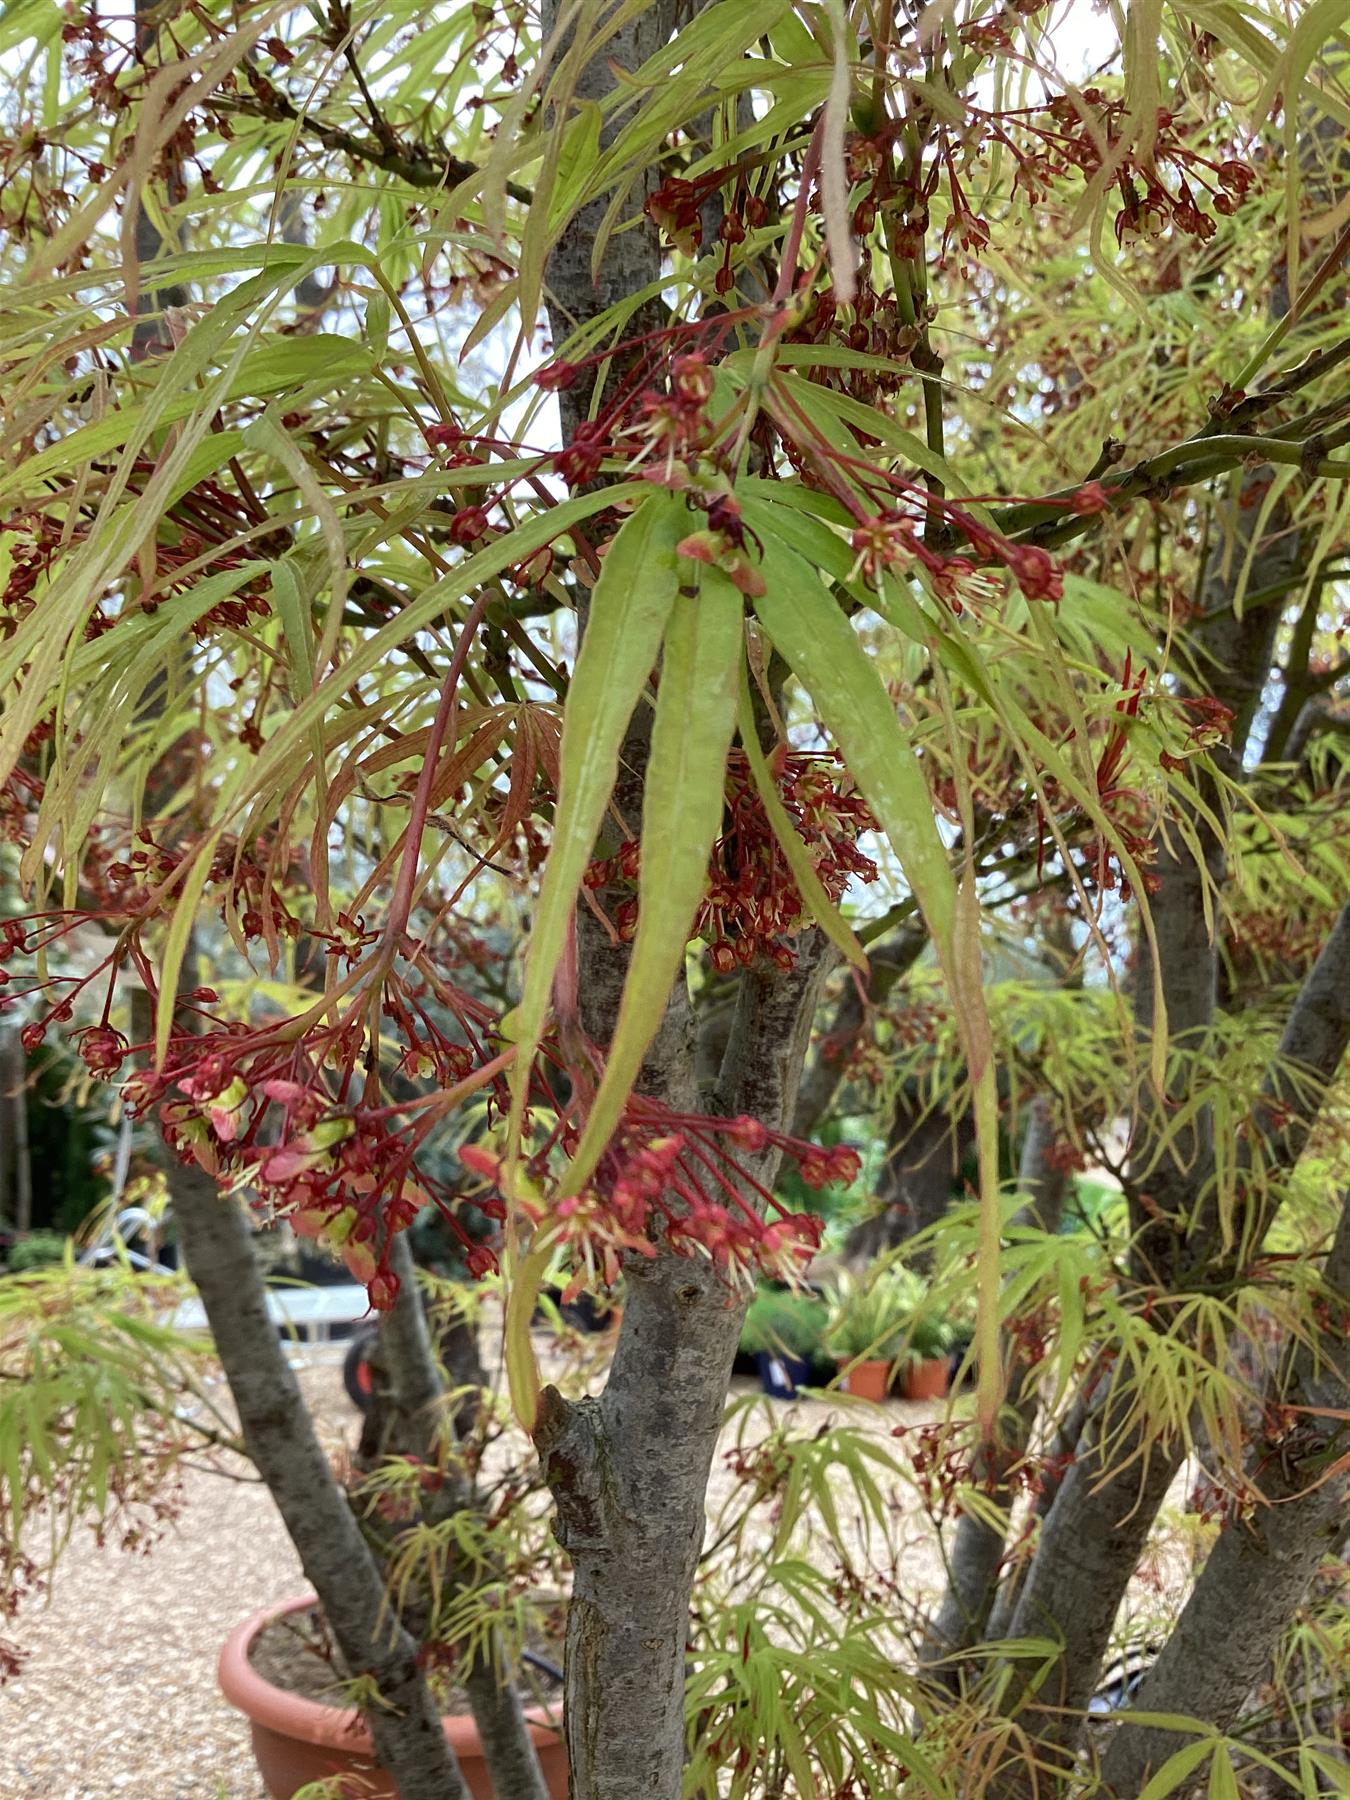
<point>782,1375</point>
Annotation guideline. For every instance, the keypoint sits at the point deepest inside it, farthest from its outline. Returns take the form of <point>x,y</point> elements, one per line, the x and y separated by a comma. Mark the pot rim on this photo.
<point>331,1727</point>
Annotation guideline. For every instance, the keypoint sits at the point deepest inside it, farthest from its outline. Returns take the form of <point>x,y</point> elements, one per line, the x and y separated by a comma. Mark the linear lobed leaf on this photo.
<point>681,816</point>
<point>629,609</point>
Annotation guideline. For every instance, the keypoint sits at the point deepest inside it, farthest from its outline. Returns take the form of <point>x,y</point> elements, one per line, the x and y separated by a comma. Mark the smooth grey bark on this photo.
<point>150,334</point>
<point>1260,1569</point>
<point>281,1442</point>
<point>1062,1451</point>
<point>978,1546</point>
<point>584,61</point>
<point>419,1421</point>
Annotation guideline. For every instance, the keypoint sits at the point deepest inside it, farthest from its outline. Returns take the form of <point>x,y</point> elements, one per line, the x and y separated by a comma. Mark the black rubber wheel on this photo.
<point>357,1375</point>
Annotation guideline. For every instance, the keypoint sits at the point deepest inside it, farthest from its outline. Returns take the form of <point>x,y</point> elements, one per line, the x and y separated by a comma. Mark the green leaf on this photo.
<point>682,806</point>
<point>177,938</point>
<point>804,621</point>
<point>377,324</point>
<point>1222,1780</point>
<point>525,1280</point>
<point>1178,1767</point>
<point>268,369</point>
<point>629,608</point>
<point>292,609</point>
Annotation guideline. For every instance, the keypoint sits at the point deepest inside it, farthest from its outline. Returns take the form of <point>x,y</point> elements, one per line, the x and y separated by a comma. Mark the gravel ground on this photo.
<point>118,1695</point>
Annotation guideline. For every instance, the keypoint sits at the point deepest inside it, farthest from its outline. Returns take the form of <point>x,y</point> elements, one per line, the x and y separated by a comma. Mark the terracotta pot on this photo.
<point>869,1380</point>
<point>928,1380</point>
<point>297,1740</point>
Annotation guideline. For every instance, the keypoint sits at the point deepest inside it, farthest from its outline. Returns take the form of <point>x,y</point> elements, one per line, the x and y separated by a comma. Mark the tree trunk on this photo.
<point>1260,1569</point>
<point>281,1442</point>
<point>418,1425</point>
<point>1062,1453</point>
<point>977,1551</point>
<point>629,1470</point>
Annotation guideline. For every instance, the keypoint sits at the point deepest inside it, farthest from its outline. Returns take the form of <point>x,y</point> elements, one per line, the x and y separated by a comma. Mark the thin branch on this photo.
<point>417,164</point>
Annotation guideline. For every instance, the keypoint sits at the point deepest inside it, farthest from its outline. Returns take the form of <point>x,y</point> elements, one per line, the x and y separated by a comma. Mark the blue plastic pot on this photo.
<point>782,1375</point>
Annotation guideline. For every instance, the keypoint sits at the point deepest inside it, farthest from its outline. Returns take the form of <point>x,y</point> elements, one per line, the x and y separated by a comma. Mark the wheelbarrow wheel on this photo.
<point>358,1376</point>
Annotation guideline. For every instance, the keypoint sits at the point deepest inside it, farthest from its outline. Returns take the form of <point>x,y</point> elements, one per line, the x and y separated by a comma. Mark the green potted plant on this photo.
<point>885,1320</point>
<point>866,1329</point>
<point>926,1366</point>
<point>783,1331</point>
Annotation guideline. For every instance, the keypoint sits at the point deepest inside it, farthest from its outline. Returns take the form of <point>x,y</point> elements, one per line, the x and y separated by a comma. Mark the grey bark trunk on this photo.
<point>1260,1569</point>
<point>418,1425</point>
<point>1063,1449</point>
<point>281,1442</point>
<point>629,1470</point>
<point>1097,1527</point>
<point>977,1550</point>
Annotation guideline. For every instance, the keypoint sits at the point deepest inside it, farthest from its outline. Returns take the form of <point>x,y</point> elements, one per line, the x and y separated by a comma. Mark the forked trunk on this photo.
<point>1260,1569</point>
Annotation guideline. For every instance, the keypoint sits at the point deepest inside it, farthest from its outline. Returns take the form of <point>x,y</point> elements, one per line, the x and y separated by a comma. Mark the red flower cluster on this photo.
<point>753,906</point>
<point>673,1178</point>
<point>1065,137</point>
<point>337,1169</point>
<point>889,540</point>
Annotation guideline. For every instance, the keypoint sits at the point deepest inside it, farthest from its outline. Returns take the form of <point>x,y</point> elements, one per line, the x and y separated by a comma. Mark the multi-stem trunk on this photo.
<point>280,1438</point>
<point>1260,1569</point>
<point>1096,1529</point>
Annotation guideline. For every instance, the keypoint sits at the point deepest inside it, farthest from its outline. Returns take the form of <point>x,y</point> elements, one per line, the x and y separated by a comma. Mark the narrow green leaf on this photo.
<point>292,609</point>
<point>1178,1767</point>
<point>1222,1781</point>
<point>629,608</point>
<point>177,939</point>
<point>803,619</point>
<point>525,1280</point>
<point>377,324</point>
<point>682,806</point>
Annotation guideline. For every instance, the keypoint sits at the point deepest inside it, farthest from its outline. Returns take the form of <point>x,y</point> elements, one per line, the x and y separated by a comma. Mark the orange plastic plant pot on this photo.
<point>868,1380</point>
<point>928,1380</point>
<point>296,1741</point>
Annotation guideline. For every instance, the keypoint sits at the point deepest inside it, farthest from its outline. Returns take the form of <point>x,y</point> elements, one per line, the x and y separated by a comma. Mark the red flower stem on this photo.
<point>787,269</point>
<point>446,710</point>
